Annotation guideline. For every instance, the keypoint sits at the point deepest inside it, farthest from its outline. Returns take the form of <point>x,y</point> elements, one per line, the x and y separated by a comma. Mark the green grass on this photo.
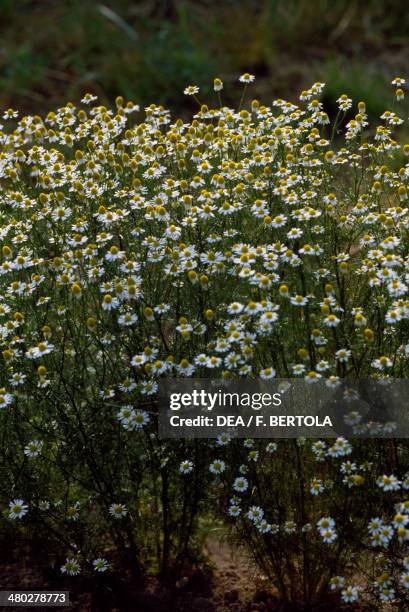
<point>150,49</point>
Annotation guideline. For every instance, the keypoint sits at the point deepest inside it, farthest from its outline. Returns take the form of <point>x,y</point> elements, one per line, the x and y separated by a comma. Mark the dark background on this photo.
<point>52,51</point>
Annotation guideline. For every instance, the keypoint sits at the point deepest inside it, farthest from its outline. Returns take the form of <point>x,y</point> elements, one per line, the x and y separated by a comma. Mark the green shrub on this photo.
<point>243,243</point>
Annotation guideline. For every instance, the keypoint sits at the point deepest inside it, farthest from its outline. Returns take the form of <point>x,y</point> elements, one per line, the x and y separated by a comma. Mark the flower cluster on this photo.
<point>249,242</point>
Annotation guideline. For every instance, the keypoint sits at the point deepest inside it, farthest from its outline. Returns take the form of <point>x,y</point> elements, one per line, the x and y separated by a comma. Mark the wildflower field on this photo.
<point>259,241</point>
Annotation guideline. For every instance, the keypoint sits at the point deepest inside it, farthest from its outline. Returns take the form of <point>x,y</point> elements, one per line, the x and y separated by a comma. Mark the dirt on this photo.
<point>237,583</point>
<point>227,582</point>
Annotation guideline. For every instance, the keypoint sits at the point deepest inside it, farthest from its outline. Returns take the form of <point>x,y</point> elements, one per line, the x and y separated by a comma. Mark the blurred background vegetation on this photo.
<point>52,51</point>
